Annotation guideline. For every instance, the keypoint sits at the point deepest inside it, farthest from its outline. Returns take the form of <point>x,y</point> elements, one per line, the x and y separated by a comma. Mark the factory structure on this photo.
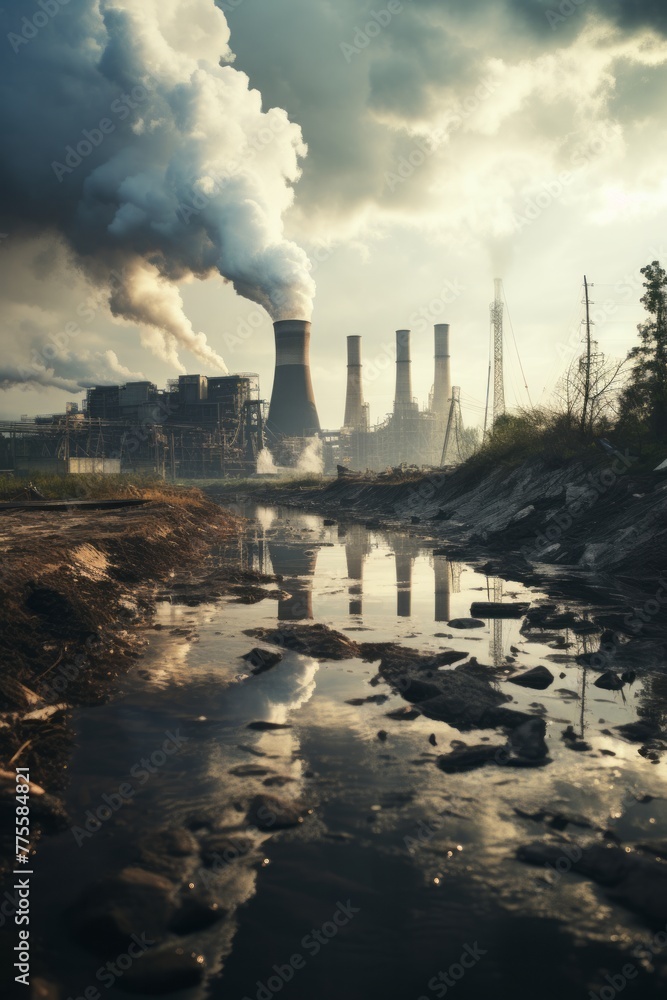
<point>197,427</point>
<point>408,435</point>
<point>209,427</point>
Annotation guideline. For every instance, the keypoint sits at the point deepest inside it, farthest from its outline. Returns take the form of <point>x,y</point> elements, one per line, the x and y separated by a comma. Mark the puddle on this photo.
<point>423,861</point>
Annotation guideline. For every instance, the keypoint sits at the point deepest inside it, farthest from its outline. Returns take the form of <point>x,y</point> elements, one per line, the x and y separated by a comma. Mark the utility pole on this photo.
<point>587,374</point>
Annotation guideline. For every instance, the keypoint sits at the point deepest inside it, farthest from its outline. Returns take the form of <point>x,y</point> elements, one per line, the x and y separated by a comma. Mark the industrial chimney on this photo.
<point>403,401</point>
<point>292,412</point>
<point>355,415</point>
<point>442,383</point>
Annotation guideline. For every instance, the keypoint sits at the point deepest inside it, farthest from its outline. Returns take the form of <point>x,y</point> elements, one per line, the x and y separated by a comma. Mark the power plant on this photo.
<point>203,427</point>
<point>408,435</point>
<point>292,412</point>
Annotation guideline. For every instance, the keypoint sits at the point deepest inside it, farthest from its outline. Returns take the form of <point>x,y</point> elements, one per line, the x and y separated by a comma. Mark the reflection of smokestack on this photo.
<point>442,588</point>
<point>404,584</point>
<point>442,383</point>
<point>403,399</point>
<point>292,412</point>
<point>356,549</point>
<point>354,402</point>
<point>297,565</point>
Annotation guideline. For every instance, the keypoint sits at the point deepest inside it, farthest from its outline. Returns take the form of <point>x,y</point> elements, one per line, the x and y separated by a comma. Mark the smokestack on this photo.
<point>354,403</point>
<point>403,400</point>
<point>442,383</point>
<point>292,412</point>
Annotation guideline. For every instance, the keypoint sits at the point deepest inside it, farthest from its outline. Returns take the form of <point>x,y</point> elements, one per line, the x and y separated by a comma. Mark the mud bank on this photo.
<point>74,588</point>
<point>594,523</point>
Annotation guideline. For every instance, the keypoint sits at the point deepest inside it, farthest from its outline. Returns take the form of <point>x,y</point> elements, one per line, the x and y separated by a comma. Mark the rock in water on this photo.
<point>262,660</point>
<point>468,758</point>
<point>638,883</point>
<point>464,623</point>
<point>163,970</point>
<point>135,901</point>
<point>609,681</point>
<point>539,678</point>
<point>268,812</point>
<point>527,741</point>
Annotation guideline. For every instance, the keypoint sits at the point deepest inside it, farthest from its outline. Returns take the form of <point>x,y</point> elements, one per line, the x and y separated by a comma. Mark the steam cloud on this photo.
<point>130,136</point>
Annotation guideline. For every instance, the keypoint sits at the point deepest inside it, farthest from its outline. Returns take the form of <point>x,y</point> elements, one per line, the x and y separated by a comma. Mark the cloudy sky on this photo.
<point>379,163</point>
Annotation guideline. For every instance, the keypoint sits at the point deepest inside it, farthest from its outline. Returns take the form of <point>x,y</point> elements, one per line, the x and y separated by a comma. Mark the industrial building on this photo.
<point>197,427</point>
<point>408,435</point>
<point>209,427</point>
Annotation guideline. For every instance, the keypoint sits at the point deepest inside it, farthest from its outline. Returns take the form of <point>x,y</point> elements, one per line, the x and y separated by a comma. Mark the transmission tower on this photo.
<point>454,432</point>
<point>497,315</point>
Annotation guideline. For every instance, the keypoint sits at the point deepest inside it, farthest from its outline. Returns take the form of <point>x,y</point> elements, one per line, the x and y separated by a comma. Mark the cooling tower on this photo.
<point>403,401</point>
<point>292,412</point>
<point>355,416</point>
<point>442,382</point>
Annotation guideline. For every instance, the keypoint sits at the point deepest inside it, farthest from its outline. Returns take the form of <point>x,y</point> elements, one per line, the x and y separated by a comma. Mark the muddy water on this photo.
<point>399,869</point>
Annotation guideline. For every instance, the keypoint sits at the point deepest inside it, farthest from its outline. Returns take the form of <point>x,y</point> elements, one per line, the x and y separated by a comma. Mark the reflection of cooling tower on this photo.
<point>442,384</point>
<point>403,400</point>
<point>292,412</point>
<point>442,570</point>
<point>296,564</point>
<point>354,402</point>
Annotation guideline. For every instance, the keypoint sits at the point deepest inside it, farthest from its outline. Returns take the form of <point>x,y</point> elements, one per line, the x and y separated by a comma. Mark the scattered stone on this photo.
<point>467,758</point>
<point>418,691</point>
<point>432,740</point>
<point>221,849</point>
<point>262,660</point>
<point>609,681</point>
<point>403,714</point>
<point>539,678</point>
<point>490,609</point>
<point>267,812</point>
<point>527,741</point>
<point>641,731</point>
<point>249,771</point>
<point>278,781</point>
<point>382,735</point>
<point>318,641</point>
<point>163,970</point>
<point>373,699</point>
<point>197,910</point>
<point>573,742</point>
<point>166,852</point>
<point>466,623</point>
<point>135,901</point>
<point>267,726</point>
<point>631,880</point>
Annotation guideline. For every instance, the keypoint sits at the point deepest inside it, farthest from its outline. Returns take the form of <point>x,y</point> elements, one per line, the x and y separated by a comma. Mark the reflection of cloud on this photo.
<point>273,695</point>
<point>265,516</point>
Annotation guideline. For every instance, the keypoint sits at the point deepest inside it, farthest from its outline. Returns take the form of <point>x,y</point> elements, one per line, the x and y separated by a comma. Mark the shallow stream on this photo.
<point>422,862</point>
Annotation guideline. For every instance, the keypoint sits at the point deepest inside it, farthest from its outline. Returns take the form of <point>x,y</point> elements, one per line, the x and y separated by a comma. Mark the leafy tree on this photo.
<point>644,402</point>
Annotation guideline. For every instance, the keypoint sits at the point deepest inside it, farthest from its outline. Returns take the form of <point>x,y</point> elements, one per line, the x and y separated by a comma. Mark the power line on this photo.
<point>516,348</point>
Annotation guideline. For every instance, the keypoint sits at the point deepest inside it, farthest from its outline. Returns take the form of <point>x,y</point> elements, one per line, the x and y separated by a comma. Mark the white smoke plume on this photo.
<point>130,136</point>
<point>67,371</point>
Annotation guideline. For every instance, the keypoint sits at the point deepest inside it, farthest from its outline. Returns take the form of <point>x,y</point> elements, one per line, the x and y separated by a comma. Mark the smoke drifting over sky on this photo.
<point>450,141</point>
<point>154,163</point>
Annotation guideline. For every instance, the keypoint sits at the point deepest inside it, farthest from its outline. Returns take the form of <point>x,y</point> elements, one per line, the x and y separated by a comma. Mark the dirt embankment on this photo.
<point>594,520</point>
<point>73,587</point>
